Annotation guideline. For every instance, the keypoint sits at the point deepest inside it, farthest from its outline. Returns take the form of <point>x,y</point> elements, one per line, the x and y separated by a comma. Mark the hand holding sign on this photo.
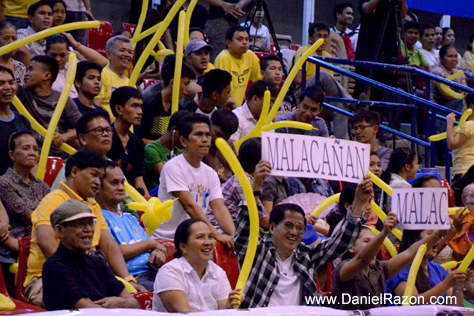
<point>363,195</point>
<point>389,223</point>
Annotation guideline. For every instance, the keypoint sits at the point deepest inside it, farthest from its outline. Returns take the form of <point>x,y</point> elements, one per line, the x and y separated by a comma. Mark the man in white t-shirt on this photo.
<point>194,183</point>
<point>258,33</point>
<point>428,43</point>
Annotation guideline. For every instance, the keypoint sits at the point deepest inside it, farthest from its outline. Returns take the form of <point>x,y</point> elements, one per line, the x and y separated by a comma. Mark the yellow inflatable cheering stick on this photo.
<point>450,265</point>
<point>141,20</point>
<point>467,260</point>
<point>324,204</point>
<point>386,242</point>
<point>161,54</point>
<point>415,266</point>
<point>48,32</point>
<point>154,40</point>
<point>289,80</point>
<point>289,124</point>
<point>234,163</point>
<point>256,132</point>
<point>178,66</point>
<point>448,90</point>
<point>48,139</point>
<point>462,120</point>
<point>187,23</point>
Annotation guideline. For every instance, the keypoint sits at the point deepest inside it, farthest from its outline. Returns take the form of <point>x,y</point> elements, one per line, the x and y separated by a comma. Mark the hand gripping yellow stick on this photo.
<point>324,204</point>
<point>386,242</point>
<point>448,90</point>
<point>179,63</point>
<point>126,284</point>
<point>151,45</point>
<point>231,159</point>
<point>48,139</point>
<point>415,266</point>
<point>381,214</point>
<point>289,80</point>
<point>256,132</point>
<point>141,20</point>
<point>48,32</point>
<point>189,13</point>
<point>462,120</point>
<point>37,126</point>
<point>146,33</point>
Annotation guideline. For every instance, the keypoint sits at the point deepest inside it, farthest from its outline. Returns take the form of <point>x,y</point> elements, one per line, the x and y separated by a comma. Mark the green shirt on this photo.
<point>155,153</point>
<point>415,58</point>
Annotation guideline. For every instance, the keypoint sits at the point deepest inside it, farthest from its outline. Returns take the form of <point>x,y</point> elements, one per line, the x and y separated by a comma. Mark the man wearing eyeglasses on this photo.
<point>283,269</point>
<point>72,278</point>
<point>84,171</point>
<point>365,125</point>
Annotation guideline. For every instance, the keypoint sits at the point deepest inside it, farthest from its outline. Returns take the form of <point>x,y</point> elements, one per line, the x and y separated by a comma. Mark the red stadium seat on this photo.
<point>445,184</point>
<point>53,165</point>
<point>98,37</point>
<point>145,299</point>
<point>228,263</point>
<point>149,82</point>
<point>294,47</point>
<point>21,307</point>
<point>261,54</point>
<point>129,27</point>
<point>169,245</point>
<point>23,253</point>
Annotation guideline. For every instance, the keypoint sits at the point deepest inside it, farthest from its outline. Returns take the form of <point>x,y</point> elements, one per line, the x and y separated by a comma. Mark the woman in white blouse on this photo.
<point>192,282</point>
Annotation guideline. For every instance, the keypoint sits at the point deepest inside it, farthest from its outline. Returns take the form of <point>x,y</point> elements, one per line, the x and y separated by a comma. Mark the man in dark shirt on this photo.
<point>127,149</point>
<point>215,93</point>
<point>10,121</point>
<point>88,84</point>
<point>72,278</point>
<point>157,101</point>
<point>40,100</point>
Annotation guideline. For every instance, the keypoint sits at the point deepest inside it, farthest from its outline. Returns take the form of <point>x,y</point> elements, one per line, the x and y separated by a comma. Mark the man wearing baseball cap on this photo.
<point>72,277</point>
<point>198,55</point>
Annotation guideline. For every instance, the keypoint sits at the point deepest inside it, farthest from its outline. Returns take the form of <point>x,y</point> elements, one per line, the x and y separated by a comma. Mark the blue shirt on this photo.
<point>126,230</point>
<point>317,122</point>
<point>436,275</point>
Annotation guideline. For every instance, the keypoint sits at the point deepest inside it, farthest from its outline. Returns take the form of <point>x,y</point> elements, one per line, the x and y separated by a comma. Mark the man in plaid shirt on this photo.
<point>283,269</point>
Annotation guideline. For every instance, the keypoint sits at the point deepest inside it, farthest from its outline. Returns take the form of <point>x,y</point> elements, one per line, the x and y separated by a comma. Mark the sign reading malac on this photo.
<point>315,157</point>
<point>421,208</point>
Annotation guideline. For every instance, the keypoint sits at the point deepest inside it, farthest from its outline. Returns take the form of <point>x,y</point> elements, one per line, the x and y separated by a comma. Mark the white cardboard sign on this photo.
<point>421,208</point>
<point>315,157</point>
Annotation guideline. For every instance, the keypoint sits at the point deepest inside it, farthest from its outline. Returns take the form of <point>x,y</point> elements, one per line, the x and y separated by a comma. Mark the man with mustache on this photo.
<point>83,173</point>
<point>428,43</point>
<point>127,149</point>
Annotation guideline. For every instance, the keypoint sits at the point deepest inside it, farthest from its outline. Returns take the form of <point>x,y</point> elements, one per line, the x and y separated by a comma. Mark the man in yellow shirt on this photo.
<point>239,61</point>
<point>15,12</point>
<point>315,32</point>
<point>120,55</point>
<point>84,172</point>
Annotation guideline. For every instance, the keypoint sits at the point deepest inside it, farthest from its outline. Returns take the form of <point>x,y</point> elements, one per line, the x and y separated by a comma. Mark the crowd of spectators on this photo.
<point>80,229</point>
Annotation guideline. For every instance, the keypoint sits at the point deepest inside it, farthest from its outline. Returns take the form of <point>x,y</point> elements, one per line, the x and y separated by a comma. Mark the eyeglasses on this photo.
<point>99,131</point>
<point>289,226</point>
<point>360,127</point>
<point>81,224</point>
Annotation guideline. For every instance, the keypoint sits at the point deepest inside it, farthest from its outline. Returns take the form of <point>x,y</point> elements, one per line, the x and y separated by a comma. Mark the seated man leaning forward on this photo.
<point>194,183</point>
<point>74,278</point>
<point>83,173</point>
<point>283,268</point>
<point>310,106</point>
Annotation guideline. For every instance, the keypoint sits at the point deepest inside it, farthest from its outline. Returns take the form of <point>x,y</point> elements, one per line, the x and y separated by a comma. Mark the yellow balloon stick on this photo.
<point>381,214</point>
<point>452,211</point>
<point>126,284</point>
<point>146,33</point>
<point>450,265</point>
<point>289,80</point>
<point>448,90</point>
<point>289,124</point>
<point>385,187</point>
<point>415,266</point>
<point>189,13</point>
<point>258,127</point>
<point>37,126</point>
<point>234,163</point>
<point>386,242</point>
<point>324,204</point>
<point>467,260</point>
<point>133,193</point>
<point>58,111</point>
<point>462,120</point>
<point>179,63</point>
<point>151,45</point>
<point>141,20</point>
<point>48,32</point>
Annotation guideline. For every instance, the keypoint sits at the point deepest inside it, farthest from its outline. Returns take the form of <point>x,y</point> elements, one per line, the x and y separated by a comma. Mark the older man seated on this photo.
<point>73,277</point>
